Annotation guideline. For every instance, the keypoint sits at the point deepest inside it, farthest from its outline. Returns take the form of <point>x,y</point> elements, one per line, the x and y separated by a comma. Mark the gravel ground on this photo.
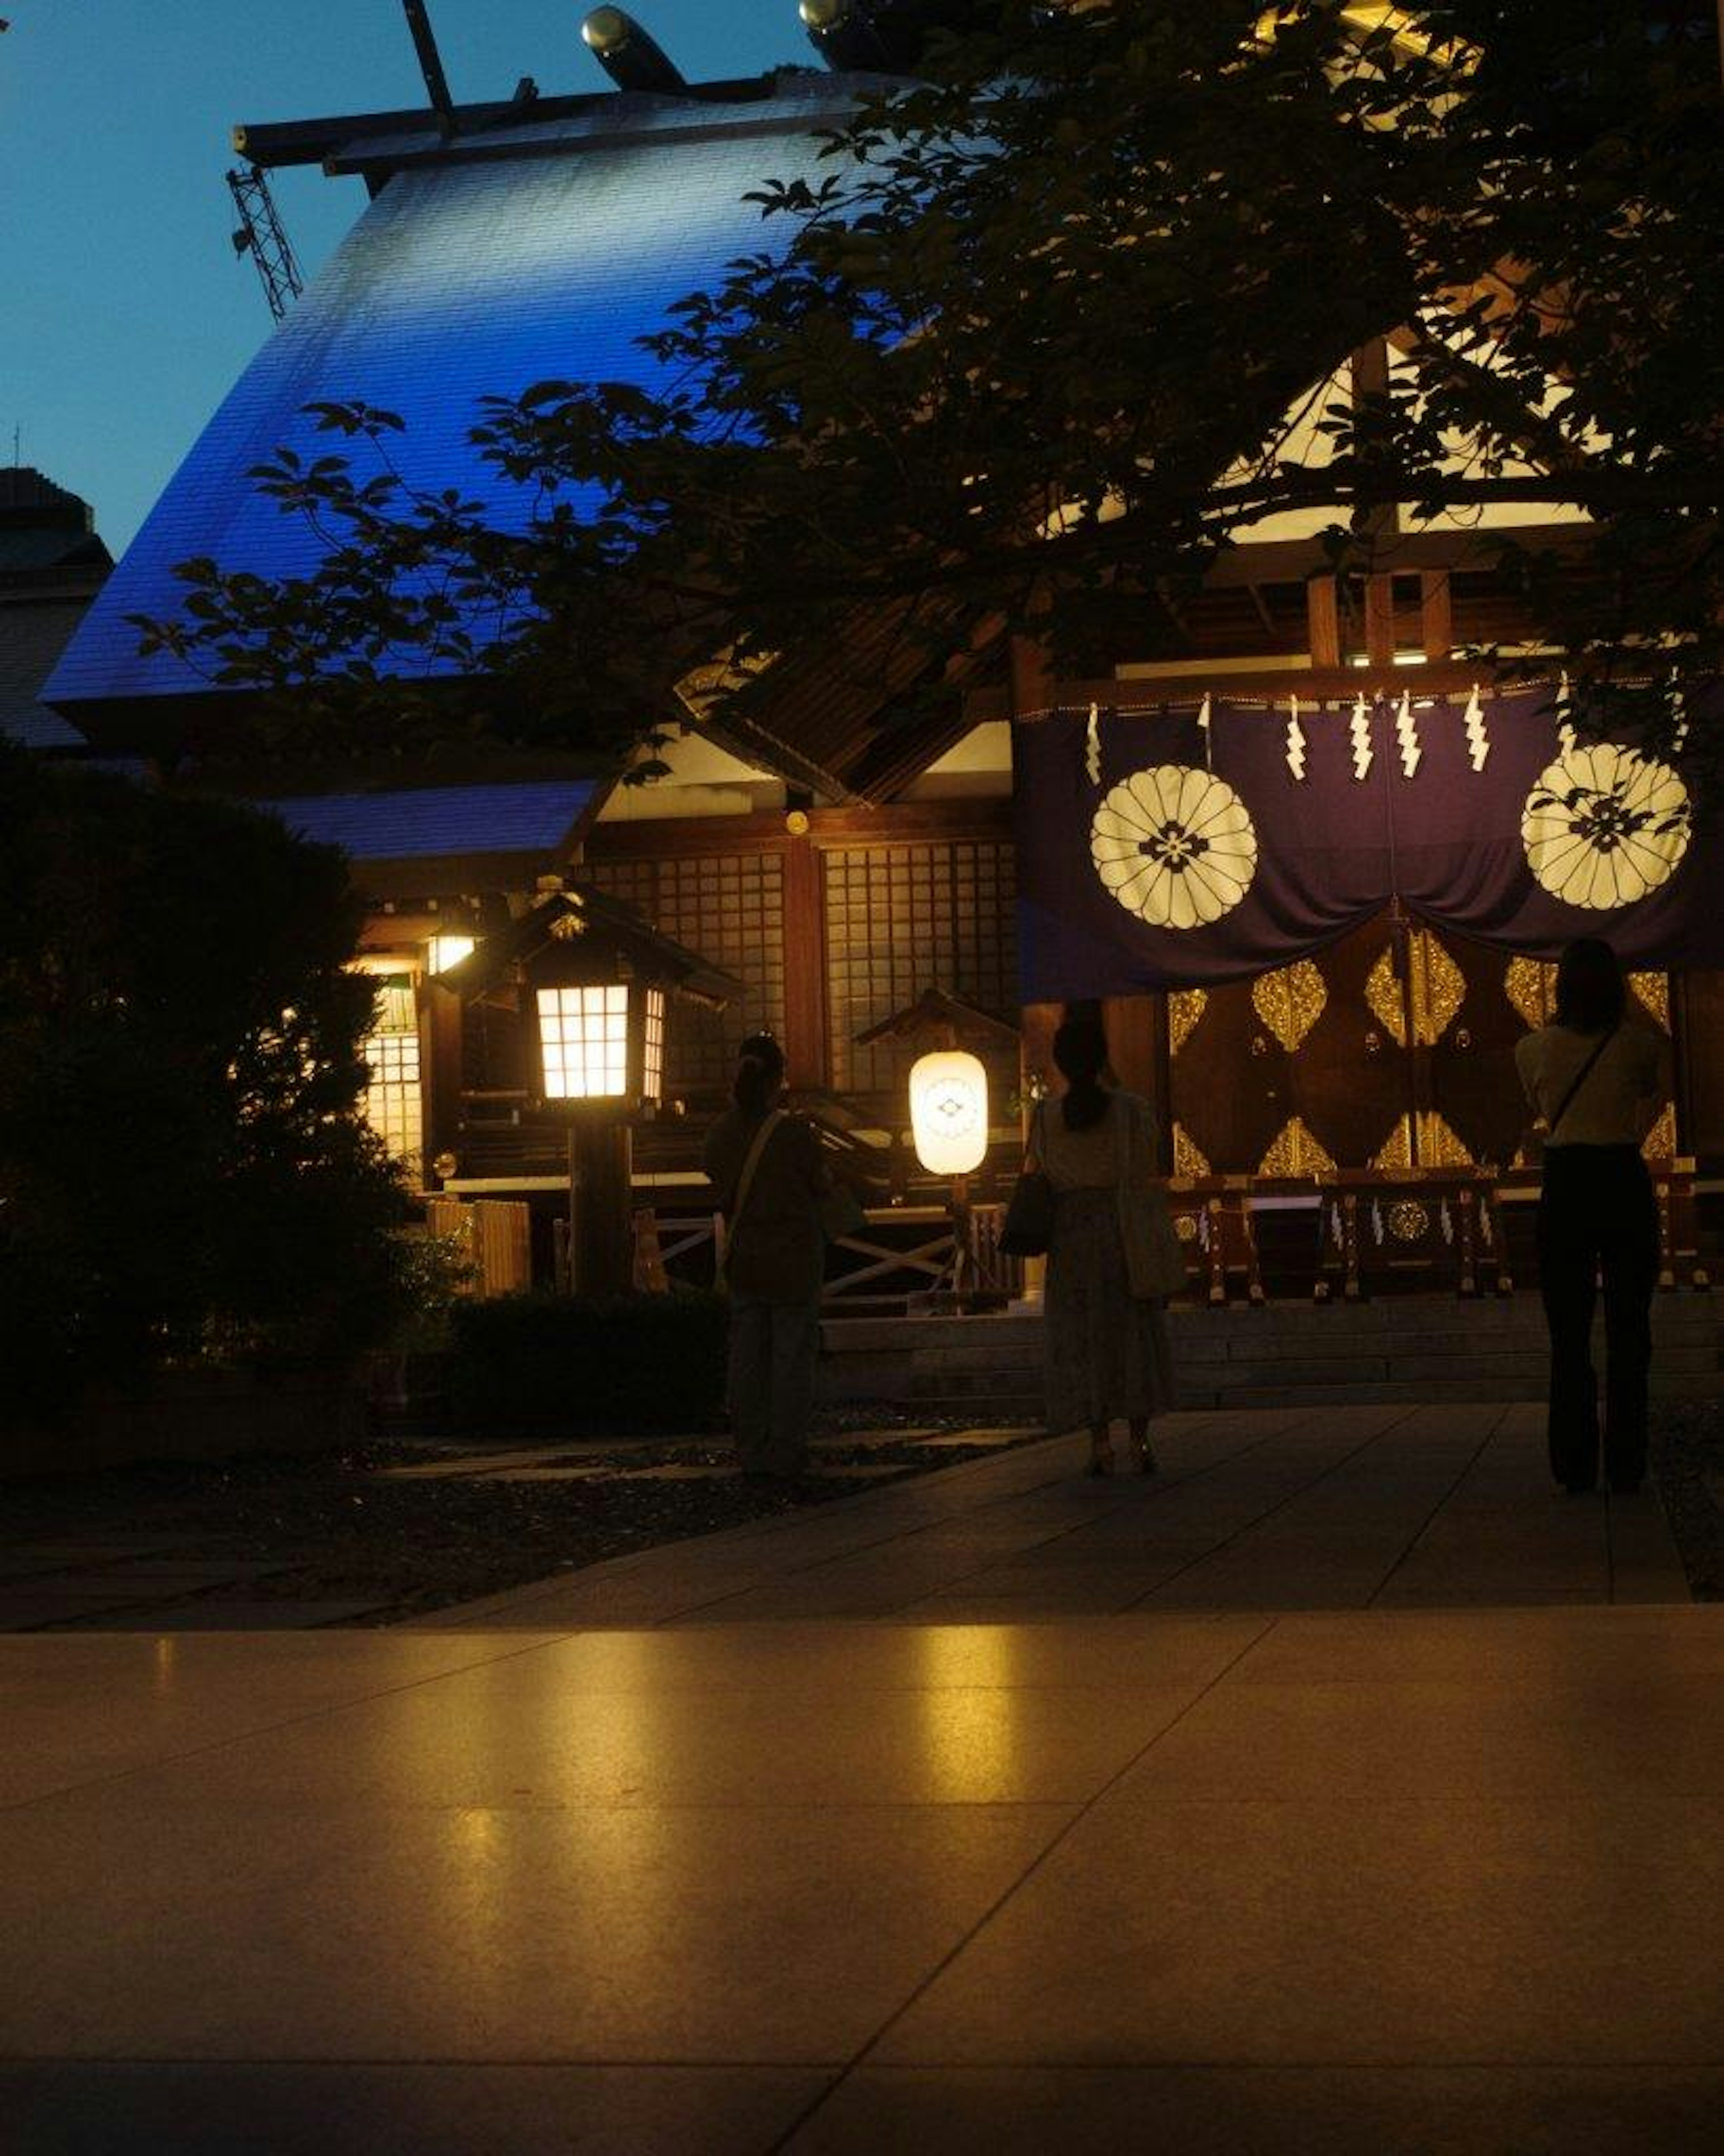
<point>349,1527</point>
<point>341,1527</point>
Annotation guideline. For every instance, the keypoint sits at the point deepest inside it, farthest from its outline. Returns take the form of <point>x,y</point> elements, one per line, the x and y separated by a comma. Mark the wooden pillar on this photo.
<point>1380,620</point>
<point>1032,677</point>
<point>1322,613</point>
<point>1436,613</point>
<point>440,1028</point>
<point>601,1206</point>
<point>805,1045</point>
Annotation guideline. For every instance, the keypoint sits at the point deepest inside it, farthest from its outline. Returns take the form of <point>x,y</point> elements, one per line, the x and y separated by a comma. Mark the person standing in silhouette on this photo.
<point>1592,1078</point>
<point>1107,1356</point>
<point>765,1165</point>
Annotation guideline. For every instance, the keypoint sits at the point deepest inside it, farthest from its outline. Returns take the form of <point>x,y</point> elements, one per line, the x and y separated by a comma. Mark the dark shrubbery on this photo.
<point>560,1366</point>
<point>184,1170</point>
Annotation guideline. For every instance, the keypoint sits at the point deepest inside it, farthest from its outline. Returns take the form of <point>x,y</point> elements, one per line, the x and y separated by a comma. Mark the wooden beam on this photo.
<point>974,816</point>
<point>1322,615</point>
<point>1150,692</point>
<point>1293,561</point>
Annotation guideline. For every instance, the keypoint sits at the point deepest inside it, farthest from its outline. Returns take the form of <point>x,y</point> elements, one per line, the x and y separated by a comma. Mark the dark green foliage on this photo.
<point>182,1166</point>
<point>563,1366</point>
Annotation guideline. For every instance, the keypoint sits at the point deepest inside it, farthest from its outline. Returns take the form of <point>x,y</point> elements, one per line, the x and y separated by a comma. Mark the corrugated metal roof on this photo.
<point>462,279</point>
<point>426,821</point>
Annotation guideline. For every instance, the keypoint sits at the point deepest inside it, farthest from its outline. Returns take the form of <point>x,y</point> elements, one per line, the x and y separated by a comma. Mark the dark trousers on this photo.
<point>771,1393</point>
<point>1597,1218</point>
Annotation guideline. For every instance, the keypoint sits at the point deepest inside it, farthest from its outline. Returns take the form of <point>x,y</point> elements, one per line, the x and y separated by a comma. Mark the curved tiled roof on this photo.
<point>543,250</point>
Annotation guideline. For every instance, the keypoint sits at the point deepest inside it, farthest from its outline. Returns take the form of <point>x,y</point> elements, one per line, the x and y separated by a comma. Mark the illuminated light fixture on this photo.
<point>447,951</point>
<point>633,60</point>
<point>948,1112</point>
<point>602,1041</point>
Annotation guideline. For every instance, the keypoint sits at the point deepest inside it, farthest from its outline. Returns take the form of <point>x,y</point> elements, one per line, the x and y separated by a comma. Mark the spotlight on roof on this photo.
<point>627,55</point>
<point>839,31</point>
<point>887,36</point>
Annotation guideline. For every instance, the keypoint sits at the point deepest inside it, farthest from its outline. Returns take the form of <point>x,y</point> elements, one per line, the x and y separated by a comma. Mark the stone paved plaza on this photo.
<point>1343,1789</point>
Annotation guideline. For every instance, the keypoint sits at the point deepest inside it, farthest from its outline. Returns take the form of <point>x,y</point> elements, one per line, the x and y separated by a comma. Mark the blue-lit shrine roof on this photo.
<point>422,822</point>
<point>538,250</point>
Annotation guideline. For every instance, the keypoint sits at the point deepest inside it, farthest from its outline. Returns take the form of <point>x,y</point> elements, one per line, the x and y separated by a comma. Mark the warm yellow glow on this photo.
<point>584,1034</point>
<point>948,1112</point>
<point>447,951</point>
<point>652,1047</point>
<point>969,1730</point>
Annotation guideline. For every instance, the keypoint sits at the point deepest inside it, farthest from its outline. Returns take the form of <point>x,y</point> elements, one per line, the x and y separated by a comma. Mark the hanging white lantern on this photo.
<point>948,1112</point>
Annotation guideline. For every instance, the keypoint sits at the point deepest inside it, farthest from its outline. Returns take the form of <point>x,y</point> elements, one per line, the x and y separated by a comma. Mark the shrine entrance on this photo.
<point>1392,1051</point>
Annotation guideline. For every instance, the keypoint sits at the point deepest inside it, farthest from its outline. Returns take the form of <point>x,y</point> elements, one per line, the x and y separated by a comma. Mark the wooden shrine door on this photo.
<point>1392,1049</point>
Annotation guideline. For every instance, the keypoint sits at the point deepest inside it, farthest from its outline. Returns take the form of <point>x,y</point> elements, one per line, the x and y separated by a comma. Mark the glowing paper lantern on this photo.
<point>600,1041</point>
<point>948,1112</point>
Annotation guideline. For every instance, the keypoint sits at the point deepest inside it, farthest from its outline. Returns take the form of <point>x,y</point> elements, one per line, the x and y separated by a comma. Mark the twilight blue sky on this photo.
<point>124,315</point>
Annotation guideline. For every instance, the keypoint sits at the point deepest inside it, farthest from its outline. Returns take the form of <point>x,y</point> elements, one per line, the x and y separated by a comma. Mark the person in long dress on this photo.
<point>775,1260</point>
<point>1107,1356</point>
<point>1594,1077</point>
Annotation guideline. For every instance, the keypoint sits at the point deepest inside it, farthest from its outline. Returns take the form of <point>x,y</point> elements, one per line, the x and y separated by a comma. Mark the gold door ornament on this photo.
<point>1290,1001</point>
<point>1185,1007</point>
<point>1295,1152</point>
<point>1436,989</point>
<point>1188,1158</point>
<point>1531,986</point>
<point>1439,1145</point>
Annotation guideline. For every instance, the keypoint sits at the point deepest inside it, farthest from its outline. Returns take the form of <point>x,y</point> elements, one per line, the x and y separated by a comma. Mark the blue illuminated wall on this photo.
<point>460,279</point>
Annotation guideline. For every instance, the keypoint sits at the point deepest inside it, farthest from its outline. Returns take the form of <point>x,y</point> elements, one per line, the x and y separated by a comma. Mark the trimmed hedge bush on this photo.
<point>565,1366</point>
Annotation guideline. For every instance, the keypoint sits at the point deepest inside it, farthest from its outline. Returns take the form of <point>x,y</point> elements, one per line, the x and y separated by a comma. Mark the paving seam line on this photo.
<point>872,2044</point>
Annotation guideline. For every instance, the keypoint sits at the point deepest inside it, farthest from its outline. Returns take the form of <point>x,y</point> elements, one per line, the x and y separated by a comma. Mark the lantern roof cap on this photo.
<point>937,1017</point>
<point>580,914</point>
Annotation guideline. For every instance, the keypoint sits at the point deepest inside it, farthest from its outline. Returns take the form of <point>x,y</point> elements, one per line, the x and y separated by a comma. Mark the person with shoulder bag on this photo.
<point>1593,1079</point>
<point>1113,1258</point>
<point>779,1204</point>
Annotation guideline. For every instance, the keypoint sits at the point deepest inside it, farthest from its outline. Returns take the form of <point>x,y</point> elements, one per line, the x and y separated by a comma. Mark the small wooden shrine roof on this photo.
<point>937,1013</point>
<point>580,913</point>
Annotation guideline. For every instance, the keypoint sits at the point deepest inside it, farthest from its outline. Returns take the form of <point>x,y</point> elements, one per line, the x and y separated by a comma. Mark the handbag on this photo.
<point>1155,1256</point>
<point>1028,1229</point>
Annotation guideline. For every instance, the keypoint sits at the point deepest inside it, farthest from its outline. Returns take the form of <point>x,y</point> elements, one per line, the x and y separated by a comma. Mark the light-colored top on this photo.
<point>1089,1160</point>
<point>1618,1100</point>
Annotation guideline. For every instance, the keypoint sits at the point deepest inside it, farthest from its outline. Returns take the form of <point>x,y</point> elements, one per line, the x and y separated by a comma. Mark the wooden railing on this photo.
<point>902,1255</point>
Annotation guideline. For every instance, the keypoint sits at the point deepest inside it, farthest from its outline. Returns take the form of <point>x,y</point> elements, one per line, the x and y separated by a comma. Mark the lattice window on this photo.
<point>900,919</point>
<point>394,1096</point>
<point>730,908</point>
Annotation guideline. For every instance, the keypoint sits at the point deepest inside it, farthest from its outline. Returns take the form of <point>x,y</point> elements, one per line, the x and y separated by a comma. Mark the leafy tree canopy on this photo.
<point>1038,343</point>
<point>182,1166</point>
